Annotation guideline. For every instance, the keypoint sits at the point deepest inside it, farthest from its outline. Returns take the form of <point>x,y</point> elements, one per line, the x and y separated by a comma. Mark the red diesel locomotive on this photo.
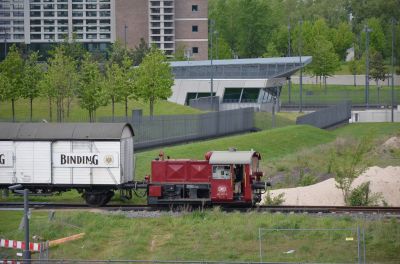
<point>224,177</point>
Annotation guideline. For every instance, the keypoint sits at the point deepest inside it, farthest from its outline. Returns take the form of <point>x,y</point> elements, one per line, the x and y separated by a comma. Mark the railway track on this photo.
<point>272,209</point>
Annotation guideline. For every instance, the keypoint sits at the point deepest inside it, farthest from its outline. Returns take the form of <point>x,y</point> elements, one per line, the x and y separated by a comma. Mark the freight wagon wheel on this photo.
<point>97,198</point>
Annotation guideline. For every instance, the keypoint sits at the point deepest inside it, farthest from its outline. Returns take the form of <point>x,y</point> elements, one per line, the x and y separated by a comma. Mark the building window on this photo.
<point>195,8</point>
<point>195,50</point>
<point>195,28</point>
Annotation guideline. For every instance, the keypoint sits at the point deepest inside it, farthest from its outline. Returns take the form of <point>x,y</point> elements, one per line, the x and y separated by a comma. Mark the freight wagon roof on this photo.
<point>63,131</point>
<point>231,157</point>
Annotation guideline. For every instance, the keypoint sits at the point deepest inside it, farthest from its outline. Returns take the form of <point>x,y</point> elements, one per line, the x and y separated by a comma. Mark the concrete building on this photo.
<point>236,83</point>
<point>169,24</point>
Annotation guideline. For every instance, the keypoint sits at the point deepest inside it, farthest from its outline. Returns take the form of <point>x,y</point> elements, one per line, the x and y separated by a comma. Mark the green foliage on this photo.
<point>276,200</point>
<point>362,196</point>
<point>32,74</point>
<point>11,71</point>
<point>154,78</point>
<point>91,91</point>
<point>348,164</point>
<point>59,81</point>
<point>139,52</point>
<point>307,179</point>
<point>378,70</point>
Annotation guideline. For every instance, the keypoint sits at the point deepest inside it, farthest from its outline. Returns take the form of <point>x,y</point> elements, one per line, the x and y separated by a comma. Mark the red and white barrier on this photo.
<point>10,262</point>
<point>5,243</point>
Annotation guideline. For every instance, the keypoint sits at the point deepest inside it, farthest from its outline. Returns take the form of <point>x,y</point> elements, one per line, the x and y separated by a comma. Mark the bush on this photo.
<point>277,200</point>
<point>362,196</point>
<point>307,179</point>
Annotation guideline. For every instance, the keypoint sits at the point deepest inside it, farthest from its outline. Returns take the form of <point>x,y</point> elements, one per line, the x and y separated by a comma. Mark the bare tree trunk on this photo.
<point>355,80</point>
<point>13,109</point>
<point>31,104</point>
<point>126,107</point>
<point>69,106</point>
<point>151,107</point>
<point>50,110</point>
<point>90,116</point>
<point>113,107</point>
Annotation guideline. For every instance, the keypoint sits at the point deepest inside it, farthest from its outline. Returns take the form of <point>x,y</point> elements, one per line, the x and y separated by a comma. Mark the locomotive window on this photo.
<point>221,172</point>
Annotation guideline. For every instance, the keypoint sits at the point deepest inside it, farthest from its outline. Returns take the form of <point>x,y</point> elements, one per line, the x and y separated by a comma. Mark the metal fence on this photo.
<point>163,130</point>
<point>204,103</point>
<point>311,98</point>
<point>312,245</point>
<point>327,117</point>
<point>74,261</point>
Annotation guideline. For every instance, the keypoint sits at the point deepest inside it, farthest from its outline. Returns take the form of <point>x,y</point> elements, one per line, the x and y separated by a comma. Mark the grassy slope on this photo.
<point>272,144</point>
<point>41,110</point>
<point>263,120</point>
<point>207,236</point>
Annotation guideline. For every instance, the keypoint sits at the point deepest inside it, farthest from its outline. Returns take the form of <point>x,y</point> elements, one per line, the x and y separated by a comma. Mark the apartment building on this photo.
<point>169,24</point>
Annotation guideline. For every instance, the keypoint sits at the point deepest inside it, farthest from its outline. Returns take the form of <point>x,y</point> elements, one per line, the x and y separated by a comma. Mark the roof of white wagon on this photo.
<point>63,131</point>
<point>231,157</point>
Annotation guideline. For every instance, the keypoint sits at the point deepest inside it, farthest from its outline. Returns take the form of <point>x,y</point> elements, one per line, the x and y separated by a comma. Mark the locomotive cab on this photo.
<point>224,177</point>
<point>236,177</point>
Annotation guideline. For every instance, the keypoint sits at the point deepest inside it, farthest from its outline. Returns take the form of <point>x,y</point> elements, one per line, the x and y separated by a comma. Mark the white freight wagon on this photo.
<point>94,158</point>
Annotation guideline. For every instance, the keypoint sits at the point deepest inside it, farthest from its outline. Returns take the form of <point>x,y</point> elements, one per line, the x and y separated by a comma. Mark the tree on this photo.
<point>355,68</point>
<point>342,39</point>
<point>32,75</point>
<point>154,78</point>
<point>59,81</point>
<point>113,82</point>
<point>378,70</point>
<point>348,164</point>
<point>11,69</point>
<point>139,52</point>
<point>127,82</point>
<point>90,90</point>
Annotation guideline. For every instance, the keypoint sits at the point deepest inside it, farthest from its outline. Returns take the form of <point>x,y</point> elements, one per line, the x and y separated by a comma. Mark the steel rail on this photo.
<point>226,207</point>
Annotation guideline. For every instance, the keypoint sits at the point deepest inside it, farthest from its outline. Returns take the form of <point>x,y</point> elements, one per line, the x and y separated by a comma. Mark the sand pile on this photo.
<point>392,143</point>
<point>382,180</point>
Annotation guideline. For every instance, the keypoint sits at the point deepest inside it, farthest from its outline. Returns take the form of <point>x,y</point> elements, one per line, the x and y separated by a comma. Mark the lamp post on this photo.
<point>212,23</point>
<point>5,42</point>
<point>289,55</point>
<point>393,24</point>
<point>367,31</point>
<point>125,28</point>
<point>25,192</point>
<point>301,67</point>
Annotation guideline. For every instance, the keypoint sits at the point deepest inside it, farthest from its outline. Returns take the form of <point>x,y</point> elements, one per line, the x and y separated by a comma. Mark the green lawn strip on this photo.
<point>263,120</point>
<point>315,93</point>
<point>210,235</point>
<point>77,114</point>
<point>358,130</point>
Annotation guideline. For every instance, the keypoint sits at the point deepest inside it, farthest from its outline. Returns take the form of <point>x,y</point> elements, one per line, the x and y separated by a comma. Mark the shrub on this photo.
<point>307,179</point>
<point>276,200</point>
<point>362,196</point>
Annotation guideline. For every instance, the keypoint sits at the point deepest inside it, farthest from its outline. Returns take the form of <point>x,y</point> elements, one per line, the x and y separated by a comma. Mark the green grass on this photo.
<point>263,120</point>
<point>316,94</point>
<point>77,114</point>
<point>376,130</point>
<point>209,235</point>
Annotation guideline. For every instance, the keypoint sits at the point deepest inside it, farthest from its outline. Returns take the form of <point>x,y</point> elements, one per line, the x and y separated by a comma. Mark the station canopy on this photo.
<point>259,68</point>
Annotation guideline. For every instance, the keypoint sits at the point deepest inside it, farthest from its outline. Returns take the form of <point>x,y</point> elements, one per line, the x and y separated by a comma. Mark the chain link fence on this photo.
<point>313,245</point>
<point>327,117</point>
<point>164,130</point>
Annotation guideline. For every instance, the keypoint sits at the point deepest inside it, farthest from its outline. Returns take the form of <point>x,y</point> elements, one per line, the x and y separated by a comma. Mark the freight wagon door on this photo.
<point>7,162</point>
<point>221,183</point>
<point>33,162</point>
